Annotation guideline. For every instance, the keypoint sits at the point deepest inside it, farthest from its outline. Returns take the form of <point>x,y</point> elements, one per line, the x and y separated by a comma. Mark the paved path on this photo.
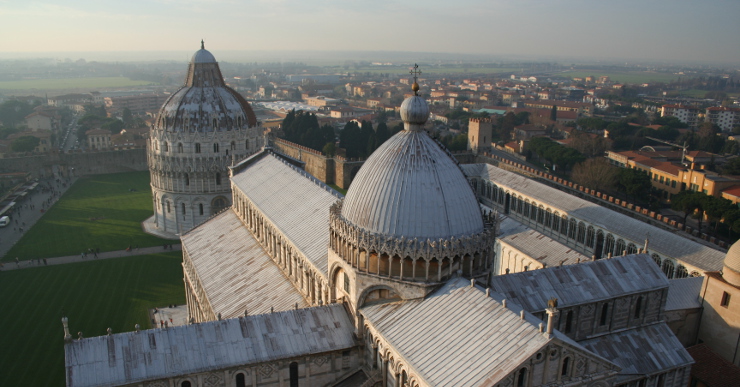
<point>90,257</point>
<point>23,216</point>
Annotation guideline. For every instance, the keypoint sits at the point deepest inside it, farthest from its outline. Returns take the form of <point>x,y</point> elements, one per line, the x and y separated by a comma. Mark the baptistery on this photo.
<point>201,130</point>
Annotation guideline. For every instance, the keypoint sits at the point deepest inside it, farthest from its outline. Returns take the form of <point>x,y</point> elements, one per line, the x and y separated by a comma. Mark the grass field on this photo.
<point>95,295</point>
<point>632,77</point>
<point>96,212</point>
<point>71,83</point>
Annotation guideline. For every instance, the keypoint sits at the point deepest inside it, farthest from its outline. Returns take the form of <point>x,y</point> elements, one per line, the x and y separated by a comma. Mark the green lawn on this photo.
<point>95,295</point>
<point>71,83</point>
<point>338,189</point>
<point>96,212</point>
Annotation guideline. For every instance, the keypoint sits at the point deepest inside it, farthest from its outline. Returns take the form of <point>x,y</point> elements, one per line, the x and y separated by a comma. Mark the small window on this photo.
<point>638,307</point>
<point>246,144</point>
<point>197,148</point>
<point>521,378</point>
<point>168,207</point>
<point>568,321</point>
<point>604,313</point>
<point>565,369</point>
<point>241,380</point>
<point>218,178</point>
<point>215,148</point>
<point>182,205</point>
<point>166,147</point>
<point>725,299</point>
<point>293,374</point>
<point>179,148</point>
<point>233,145</point>
<point>200,207</point>
<point>346,283</point>
<point>187,179</point>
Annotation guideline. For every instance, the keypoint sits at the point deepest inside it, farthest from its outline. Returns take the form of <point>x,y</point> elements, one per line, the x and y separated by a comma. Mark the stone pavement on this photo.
<point>6,266</point>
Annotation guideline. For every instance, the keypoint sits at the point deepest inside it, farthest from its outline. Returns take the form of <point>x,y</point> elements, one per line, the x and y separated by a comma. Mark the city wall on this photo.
<point>337,170</point>
<point>79,163</point>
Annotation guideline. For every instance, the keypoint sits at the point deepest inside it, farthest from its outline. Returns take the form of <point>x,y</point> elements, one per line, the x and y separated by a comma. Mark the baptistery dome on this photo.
<point>410,187</point>
<point>205,103</point>
<point>731,269</point>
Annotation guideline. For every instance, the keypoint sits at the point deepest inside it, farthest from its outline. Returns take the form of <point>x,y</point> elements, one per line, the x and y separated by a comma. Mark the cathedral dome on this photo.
<point>411,187</point>
<point>205,103</point>
<point>731,271</point>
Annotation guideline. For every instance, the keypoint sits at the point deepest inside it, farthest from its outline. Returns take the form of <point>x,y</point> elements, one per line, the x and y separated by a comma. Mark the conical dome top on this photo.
<point>205,103</point>
<point>411,187</point>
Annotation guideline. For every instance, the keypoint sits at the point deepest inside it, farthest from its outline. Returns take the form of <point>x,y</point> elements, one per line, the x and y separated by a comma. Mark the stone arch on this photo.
<point>609,245</point>
<point>377,294</point>
<point>572,228</point>
<point>631,248</point>
<point>621,246</point>
<point>581,233</point>
<point>668,268</point>
<point>218,204</point>
<point>681,271</point>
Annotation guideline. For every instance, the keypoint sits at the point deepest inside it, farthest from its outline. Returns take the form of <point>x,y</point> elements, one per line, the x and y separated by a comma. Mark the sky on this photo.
<point>667,31</point>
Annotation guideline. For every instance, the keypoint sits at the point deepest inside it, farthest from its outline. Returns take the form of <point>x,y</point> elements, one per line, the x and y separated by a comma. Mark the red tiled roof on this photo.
<point>712,369</point>
<point>733,190</point>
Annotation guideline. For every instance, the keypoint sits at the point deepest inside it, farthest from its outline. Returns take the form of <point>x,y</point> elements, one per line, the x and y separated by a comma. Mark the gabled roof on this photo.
<point>683,293</point>
<point>641,352</point>
<point>537,245</point>
<point>580,284</point>
<point>458,336</point>
<point>295,202</point>
<point>235,271</point>
<point>662,242</point>
<point>712,369</point>
<point>131,357</point>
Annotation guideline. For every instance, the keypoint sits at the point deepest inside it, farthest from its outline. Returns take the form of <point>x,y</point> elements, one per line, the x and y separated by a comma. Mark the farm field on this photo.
<point>102,211</point>
<point>71,83</point>
<point>637,77</point>
<point>94,295</point>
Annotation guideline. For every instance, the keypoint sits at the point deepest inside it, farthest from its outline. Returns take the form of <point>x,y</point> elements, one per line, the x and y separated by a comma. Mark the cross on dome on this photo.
<point>202,45</point>
<point>415,72</point>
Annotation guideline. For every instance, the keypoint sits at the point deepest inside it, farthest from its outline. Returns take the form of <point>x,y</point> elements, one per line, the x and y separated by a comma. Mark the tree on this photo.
<point>687,202</point>
<point>128,118</point>
<point>25,144</point>
<point>634,182</point>
<point>330,149</point>
<point>596,174</point>
<point>715,208</point>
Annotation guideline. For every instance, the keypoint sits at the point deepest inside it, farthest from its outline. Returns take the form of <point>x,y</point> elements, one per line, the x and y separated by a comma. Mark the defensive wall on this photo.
<point>337,170</point>
<point>78,163</point>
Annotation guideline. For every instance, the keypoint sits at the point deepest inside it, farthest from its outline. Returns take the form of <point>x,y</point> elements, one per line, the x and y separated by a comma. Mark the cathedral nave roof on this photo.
<point>235,271</point>
<point>294,201</point>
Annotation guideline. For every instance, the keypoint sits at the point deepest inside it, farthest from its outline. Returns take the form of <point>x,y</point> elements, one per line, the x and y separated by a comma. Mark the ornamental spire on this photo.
<point>202,45</point>
<point>415,72</point>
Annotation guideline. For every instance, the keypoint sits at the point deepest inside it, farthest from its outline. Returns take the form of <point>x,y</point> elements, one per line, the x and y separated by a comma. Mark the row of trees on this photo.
<point>559,156</point>
<point>303,128</point>
<point>722,212</point>
<point>359,141</point>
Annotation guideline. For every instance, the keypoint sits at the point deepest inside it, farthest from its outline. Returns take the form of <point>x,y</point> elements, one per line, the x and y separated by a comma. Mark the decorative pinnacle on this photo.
<point>202,45</point>
<point>415,72</point>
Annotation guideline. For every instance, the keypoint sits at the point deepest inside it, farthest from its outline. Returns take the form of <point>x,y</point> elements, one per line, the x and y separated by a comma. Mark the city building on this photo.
<point>724,117</point>
<point>201,130</point>
<point>686,114</point>
<point>98,139</point>
<point>480,134</point>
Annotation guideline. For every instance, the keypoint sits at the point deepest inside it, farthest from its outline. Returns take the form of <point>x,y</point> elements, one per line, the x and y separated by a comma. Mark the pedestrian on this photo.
<point>170,320</point>
<point>16,262</point>
<point>82,255</point>
<point>161,323</point>
<point>45,262</point>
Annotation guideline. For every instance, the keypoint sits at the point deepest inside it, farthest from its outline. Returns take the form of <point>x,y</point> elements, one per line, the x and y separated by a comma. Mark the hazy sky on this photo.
<point>661,30</point>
